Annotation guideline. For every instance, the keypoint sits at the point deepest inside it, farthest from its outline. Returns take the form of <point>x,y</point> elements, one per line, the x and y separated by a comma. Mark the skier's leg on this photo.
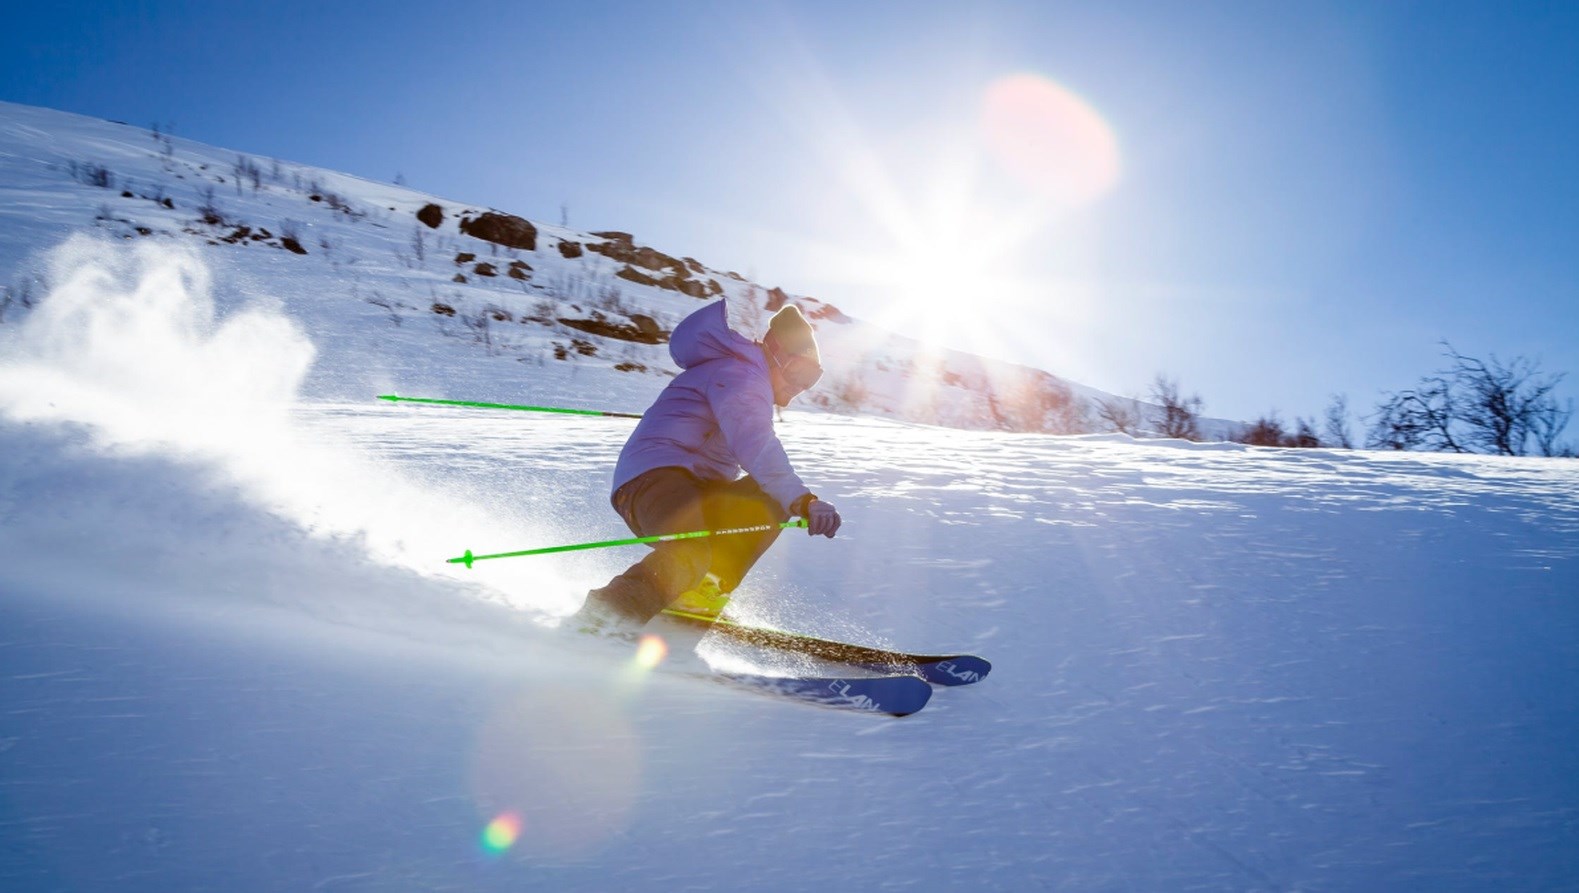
<point>740,503</point>
<point>665,500</point>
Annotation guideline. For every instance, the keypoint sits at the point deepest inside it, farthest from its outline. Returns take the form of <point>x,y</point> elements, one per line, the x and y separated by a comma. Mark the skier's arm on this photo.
<point>744,410</point>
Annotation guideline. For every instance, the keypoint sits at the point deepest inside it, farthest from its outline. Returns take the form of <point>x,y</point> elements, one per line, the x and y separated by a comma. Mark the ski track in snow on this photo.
<point>1215,668</point>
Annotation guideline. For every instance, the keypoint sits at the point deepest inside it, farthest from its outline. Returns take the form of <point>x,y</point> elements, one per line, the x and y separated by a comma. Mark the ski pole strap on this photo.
<point>469,558</point>
<point>393,398</point>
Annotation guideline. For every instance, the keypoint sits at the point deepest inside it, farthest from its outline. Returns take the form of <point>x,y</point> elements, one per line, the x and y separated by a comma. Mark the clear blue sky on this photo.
<point>1309,195</point>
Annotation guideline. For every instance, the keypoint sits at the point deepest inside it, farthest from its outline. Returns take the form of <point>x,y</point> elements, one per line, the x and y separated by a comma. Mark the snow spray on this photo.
<point>129,341</point>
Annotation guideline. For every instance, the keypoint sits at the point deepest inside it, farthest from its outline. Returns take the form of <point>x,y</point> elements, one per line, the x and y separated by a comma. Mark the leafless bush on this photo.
<point>208,207</point>
<point>1122,416</point>
<point>569,286</point>
<point>1304,436</point>
<point>91,173</point>
<point>419,245</point>
<point>1336,423</point>
<point>610,298</point>
<point>1180,415</point>
<point>1270,431</point>
<point>246,169</point>
<point>481,327</point>
<point>1475,406</point>
<point>544,311</point>
<point>1035,401</point>
<point>338,202</point>
<point>1265,431</point>
<point>1070,417</point>
<point>1504,406</point>
<point>377,299</point>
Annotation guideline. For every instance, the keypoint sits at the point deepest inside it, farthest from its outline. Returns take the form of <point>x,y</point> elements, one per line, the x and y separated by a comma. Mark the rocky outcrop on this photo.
<point>673,274</point>
<point>830,313</point>
<point>619,247</point>
<point>501,229</point>
<point>648,327</point>
<point>641,329</point>
<point>631,274</point>
<point>432,215</point>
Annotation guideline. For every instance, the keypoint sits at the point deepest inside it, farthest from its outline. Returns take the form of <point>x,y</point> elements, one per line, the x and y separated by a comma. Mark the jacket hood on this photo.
<point>706,335</point>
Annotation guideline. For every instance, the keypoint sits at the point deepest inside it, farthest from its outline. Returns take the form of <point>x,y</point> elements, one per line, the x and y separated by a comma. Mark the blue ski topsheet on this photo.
<point>894,695</point>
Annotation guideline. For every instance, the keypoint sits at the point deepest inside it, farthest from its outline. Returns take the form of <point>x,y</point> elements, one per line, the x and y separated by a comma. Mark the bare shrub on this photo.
<point>419,245</point>
<point>1304,436</point>
<point>480,325</point>
<point>1035,401</point>
<point>1265,431</point>
<point>1269,430</point>
<point>1504,406</point>
<point>208,207</point>
<point>610,297</point>
<point>1475,406</point>
<point>1335,424</point>
<point>91,173</point>
<point>378,300</point>
<point>1121,415</point>
<point>1181,415</point>
<point>246,169</point>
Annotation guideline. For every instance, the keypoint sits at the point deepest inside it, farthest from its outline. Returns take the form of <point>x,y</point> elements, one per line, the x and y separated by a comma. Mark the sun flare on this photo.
<point>947,224</point>
<point>1049,139</point>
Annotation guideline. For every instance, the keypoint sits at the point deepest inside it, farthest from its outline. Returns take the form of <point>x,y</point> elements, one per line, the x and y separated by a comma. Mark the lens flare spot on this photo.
<point>563,759</point>
<point>650,652</point>
<point>1050,139</point>
<point>501,833</point>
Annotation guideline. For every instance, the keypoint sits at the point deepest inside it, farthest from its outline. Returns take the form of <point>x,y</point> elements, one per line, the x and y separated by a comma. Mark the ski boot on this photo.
<point>706,600</point>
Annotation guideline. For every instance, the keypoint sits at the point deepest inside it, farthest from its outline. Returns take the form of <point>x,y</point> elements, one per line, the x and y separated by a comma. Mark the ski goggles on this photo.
<point>799,371</point>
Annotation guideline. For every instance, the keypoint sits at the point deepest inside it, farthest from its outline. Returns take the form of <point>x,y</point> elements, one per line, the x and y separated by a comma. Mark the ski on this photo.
<point>894,695</point>
<point>938,669</point>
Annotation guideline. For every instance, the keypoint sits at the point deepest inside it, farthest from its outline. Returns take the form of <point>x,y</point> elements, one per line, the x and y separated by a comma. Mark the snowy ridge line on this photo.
<point>397,305</point>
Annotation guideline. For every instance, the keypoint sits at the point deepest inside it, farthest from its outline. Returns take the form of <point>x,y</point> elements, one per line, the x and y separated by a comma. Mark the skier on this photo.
<point>680,470</point>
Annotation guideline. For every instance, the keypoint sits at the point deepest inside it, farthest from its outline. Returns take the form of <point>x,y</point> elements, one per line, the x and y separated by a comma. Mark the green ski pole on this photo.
<point>617,415</point>
<point>469,558</point>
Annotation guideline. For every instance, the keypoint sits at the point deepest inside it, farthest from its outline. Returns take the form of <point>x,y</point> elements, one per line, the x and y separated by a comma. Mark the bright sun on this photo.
<point>949,237</point>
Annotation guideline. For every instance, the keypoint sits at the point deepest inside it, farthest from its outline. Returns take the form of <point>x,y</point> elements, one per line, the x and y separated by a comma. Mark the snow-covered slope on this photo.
<point>459,299</point>
<point>233,657</point>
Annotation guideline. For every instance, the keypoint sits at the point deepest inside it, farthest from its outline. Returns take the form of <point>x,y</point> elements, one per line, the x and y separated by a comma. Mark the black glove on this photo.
<point>822,519</point>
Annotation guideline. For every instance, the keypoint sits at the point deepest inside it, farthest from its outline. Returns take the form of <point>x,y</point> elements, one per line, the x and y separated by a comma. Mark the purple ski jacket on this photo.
<point>715,418</point>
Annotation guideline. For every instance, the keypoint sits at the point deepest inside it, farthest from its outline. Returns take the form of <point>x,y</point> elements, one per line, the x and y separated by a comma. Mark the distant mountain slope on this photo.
<point>409,291</point>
